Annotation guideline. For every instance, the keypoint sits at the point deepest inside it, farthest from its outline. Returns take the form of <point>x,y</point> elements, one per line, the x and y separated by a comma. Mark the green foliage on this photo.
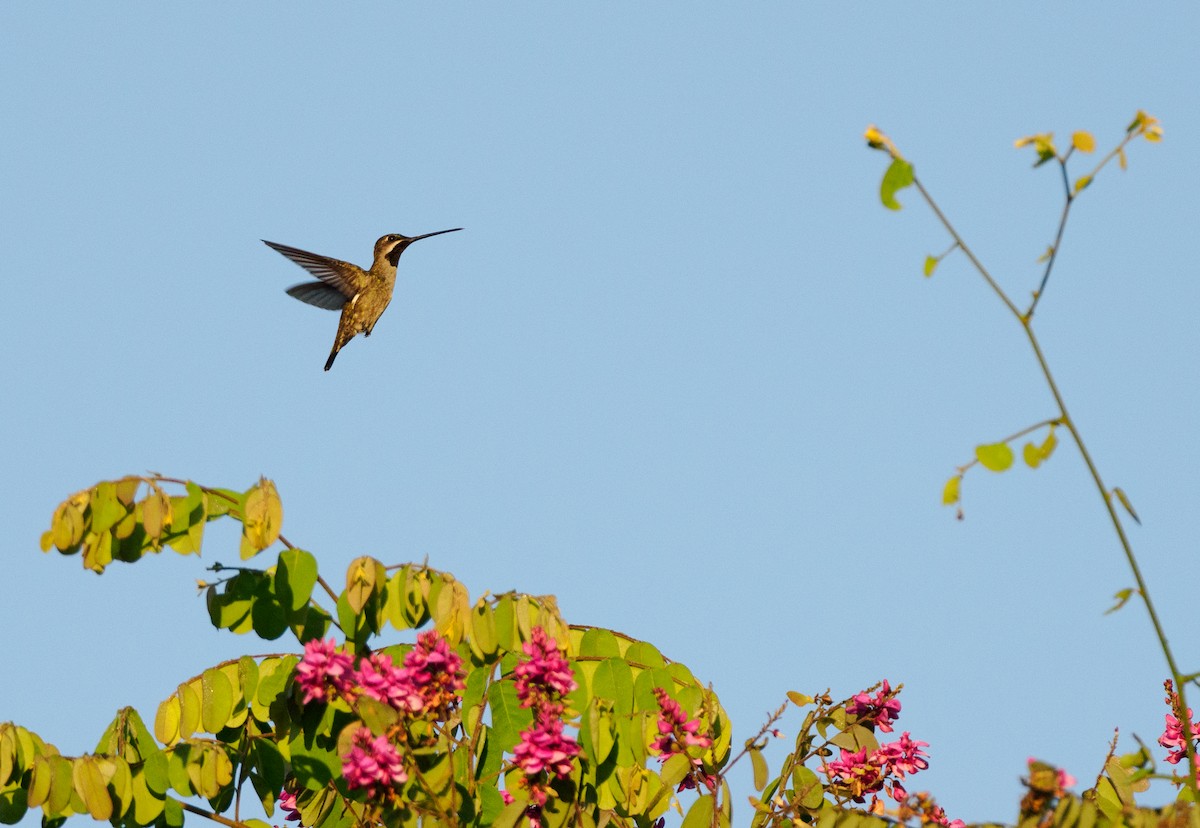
<point>898,176</point>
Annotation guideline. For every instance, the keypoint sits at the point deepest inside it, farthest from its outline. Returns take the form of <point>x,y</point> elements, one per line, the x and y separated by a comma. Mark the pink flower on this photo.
<point>675,729</point>
<point>544,746</point>
<point>880,709</point>
<point>546,674</point>
<point>859,773</point>
<point>905,756</point>
<point>373,763</point>
<point>323,668</point>
<point>434,671</point>
<point>378,678</point>
<point>287,804</point>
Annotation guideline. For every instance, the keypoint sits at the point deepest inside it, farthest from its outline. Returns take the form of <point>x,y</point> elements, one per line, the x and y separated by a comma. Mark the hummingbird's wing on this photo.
<point>345,278</point>
<point>319,294</point>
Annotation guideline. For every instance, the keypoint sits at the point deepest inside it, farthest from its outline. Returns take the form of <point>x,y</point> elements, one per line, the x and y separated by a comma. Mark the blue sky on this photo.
<point>680,369</point>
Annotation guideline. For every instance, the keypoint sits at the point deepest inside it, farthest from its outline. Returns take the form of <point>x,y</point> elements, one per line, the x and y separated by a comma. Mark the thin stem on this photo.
<point>962,244</point>
<point>226,821</point>
<point>1066,420</point>
<point>1062,225</point>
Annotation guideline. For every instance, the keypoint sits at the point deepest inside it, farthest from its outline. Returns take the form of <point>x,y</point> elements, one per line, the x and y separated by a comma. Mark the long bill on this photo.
<point>438,233</point>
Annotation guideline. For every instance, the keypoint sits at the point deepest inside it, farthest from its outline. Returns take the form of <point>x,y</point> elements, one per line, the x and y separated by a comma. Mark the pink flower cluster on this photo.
<point>542,680</point>
<point>546,676</point>
<point>323,670</point>
<point>1173,738</point>
<point>426,686</point>
<point>428,683</point>
<point>676,733</point>
<point>876,711</point>
<point>373,763</point>
<point>863,772</point>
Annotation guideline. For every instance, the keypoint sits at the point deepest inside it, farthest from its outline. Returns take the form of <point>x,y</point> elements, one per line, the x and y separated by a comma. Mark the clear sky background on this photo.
<point>681,369</point>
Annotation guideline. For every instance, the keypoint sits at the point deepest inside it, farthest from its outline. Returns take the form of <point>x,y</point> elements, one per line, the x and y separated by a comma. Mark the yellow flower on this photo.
<point>1146,125</point>
<point>1043,142</point>
<point>877,140</point>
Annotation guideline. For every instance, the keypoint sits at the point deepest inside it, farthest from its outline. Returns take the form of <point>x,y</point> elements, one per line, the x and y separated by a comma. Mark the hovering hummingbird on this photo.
<point>361,295</point>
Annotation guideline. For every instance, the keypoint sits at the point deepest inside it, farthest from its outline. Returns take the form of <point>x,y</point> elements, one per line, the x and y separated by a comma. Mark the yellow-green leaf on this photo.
<point>1048,445</point>
<point>156,513</point>
<point>759,764</point>
<point>1033,457</point>
<point>1083,141</point>
<point>950,492</point>
<point>799,699</point>
<point>1082,183</point>
<point>898,176</point>
<point>217,700</point>
<point>995,457</point>
<point>166,721</point>
<point>931,263</point>
<point>363,577</point>
<point>1122,597</point>
<point>262,518</point>
<point>1120,493</point>
<point>89,784</point>
<point>67,526</point>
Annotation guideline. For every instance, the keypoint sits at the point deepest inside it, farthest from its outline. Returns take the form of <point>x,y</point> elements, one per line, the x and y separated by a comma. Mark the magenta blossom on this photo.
<point>676,733</point>
<point>287,804</point>
<point>435,671</point>
<point>863,773</point>
<point>373,763</point>
<point>546,675</point>
<point>380,679</point>
<point>905,756</point>
<point>322,669</point>
<point>879,710</point>
<point>544,746</point>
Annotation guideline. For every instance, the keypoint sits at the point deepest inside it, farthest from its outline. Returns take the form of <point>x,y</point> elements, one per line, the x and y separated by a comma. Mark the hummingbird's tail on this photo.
<point>332,356</point>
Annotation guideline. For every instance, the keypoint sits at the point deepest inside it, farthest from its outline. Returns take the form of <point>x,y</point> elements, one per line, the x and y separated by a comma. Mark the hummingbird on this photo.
<point>361,295</point>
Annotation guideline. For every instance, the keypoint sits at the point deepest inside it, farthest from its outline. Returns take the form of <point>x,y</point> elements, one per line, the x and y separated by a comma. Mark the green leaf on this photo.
<point>613,680</point>
<point>1033,457</point>
<point>295,577</point>
<point>951,492</point>
<point>483,639</point>
<point>262,518</point>
<point>376,715</point>
<point>675,769</point>
<point>89,784</point>
<point>364,577</point>
<point>759,764</point>
<point>217,703</point>
<point>898,176</point>
<point>508,717</point>
<point>1122,597</point>
<point>166,721</point>
<point>800,699</point>
<point>1121,496</point>
<point>700,815</point>
<point>931,263</point>
<point>995,457</point>
<point>809,791</point>
<point>13,806</point>
<point>644,654</point>
<point>599,643</point>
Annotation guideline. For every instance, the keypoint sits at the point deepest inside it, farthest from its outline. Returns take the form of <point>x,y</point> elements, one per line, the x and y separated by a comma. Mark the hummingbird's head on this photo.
<point>393,244</point>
